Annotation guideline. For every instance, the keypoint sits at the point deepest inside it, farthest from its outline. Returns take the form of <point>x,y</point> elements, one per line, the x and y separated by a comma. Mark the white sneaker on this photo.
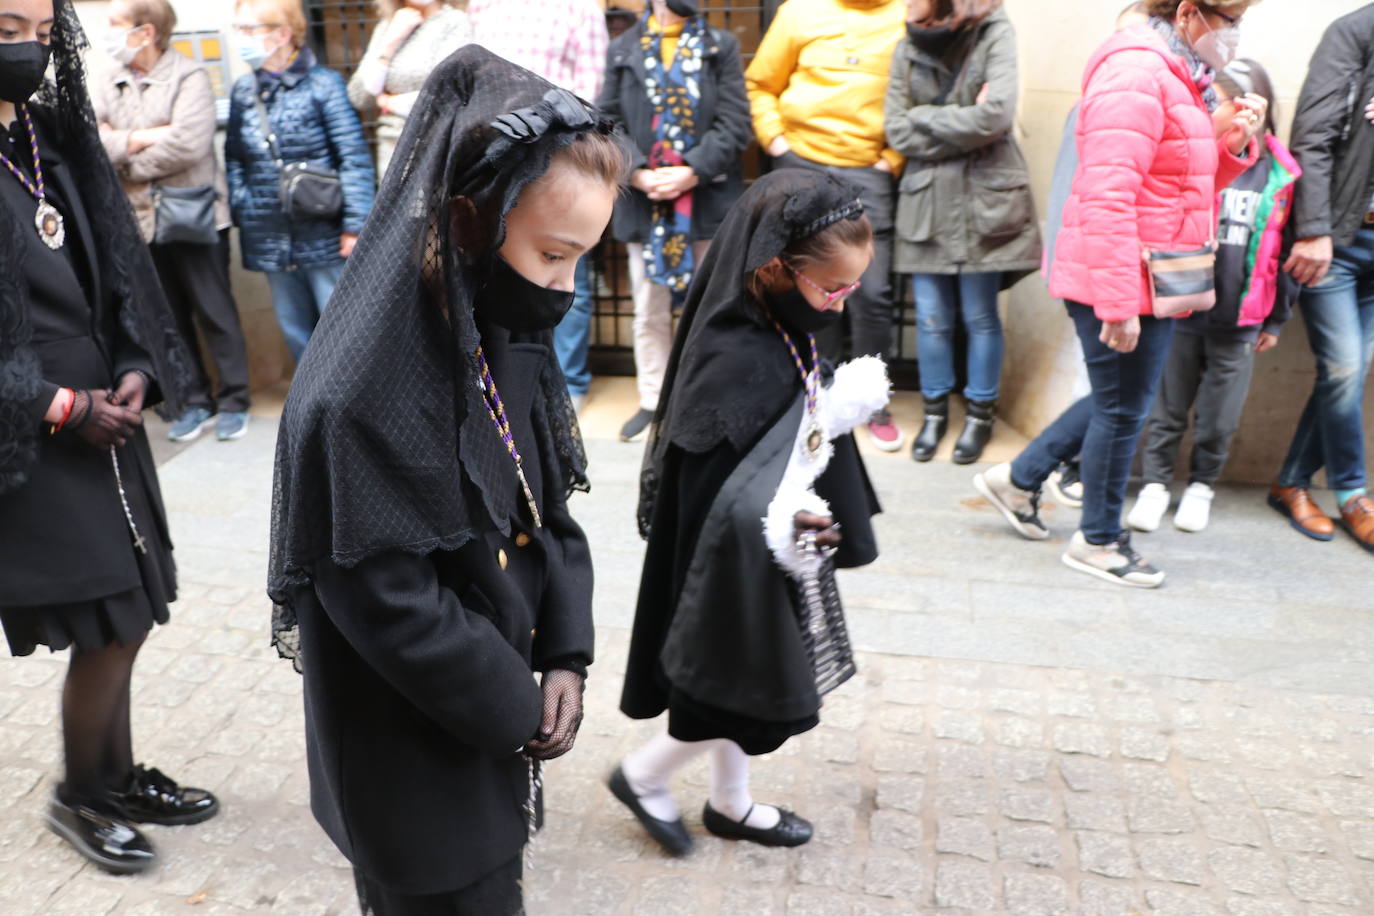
<point>1149,508</point>
<point>1021,508</point>
<point>1195,508</point>
<point>1117,562</point>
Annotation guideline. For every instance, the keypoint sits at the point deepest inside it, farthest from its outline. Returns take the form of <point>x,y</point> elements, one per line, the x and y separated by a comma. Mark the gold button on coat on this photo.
<point>501,558</point>
<point>522,540</point>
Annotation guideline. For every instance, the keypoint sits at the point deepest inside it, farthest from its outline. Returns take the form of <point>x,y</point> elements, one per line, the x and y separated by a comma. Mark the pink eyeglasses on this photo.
<point>829,296</point>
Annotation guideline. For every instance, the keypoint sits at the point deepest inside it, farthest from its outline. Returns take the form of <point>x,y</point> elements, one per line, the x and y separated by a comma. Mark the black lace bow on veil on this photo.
<point>730,374</point>
<point>129,284</point>
<point>385,443</point>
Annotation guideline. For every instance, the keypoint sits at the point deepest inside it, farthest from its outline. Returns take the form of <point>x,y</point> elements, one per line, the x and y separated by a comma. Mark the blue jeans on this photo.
<point>299,297</point>
<point>572,337</point>
<point>1339,314</point>
<point>1103,427</point>
<point>941,300</point>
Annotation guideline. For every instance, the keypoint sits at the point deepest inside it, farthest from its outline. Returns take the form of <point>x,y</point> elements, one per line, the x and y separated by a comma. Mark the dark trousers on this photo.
<point>1210,378</point>
<point>195,279</point>
<point>496,894</point>
<point>871,310</point>
<point>1102,428</point>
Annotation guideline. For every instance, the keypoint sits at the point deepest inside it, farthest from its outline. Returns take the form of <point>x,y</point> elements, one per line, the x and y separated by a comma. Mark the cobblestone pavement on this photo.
<point>1018,741</point>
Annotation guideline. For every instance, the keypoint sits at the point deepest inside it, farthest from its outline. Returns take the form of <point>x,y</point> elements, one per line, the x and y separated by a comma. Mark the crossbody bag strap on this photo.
<point>265,125</point>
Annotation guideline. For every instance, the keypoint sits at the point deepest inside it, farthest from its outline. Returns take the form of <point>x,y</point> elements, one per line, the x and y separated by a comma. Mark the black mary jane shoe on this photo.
<point>107,841</point>
<point>151,797</point>
<point>671,835</point>
<point>790,830</point>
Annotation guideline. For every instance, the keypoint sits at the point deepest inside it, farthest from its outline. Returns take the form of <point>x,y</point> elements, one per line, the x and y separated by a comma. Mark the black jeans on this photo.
<point>1210,378</point>
<point>195,279</point>
<point>1102,428</point>
<point>871,311</point>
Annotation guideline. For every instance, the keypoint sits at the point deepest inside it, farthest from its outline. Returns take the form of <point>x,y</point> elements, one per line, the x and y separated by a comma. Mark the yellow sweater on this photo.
<point>820,76</point>
<point>672,34</point>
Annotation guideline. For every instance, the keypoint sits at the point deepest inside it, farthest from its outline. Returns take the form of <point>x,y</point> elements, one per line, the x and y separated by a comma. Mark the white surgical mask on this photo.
<point>1219,46</point>
<point>117,46</point>
<point>420,3</point>
<point>252,50</point>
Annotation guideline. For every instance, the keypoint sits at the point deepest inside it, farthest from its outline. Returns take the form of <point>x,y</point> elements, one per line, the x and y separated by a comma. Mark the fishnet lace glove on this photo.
<point>562,715</point>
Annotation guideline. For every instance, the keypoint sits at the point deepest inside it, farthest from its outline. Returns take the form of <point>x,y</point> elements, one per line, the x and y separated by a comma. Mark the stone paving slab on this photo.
<point>1018,740</point>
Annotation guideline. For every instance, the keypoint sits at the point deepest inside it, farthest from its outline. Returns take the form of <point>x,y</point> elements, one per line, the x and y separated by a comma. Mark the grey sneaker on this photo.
<point>1066,486</point>
<point>1021,508</point>
<point>231,425</point>
<point>190,424</point>
<point>1116,562</point>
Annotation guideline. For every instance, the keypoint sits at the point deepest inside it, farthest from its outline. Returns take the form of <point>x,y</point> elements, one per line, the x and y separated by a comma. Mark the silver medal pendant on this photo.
<point>49,224</point>
<point>814,438</point>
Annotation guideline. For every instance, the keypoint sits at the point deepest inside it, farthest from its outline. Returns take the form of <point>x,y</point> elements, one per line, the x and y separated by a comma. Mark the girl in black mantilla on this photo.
<point>751,426</point>
<point>86,340</point>
<point>424,563</point>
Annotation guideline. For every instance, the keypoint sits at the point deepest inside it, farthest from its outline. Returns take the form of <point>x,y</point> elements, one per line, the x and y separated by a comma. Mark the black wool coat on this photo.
<point>724,131</point>
<point>716,619</point>
<point>56,530</point>
<point>419,689</point>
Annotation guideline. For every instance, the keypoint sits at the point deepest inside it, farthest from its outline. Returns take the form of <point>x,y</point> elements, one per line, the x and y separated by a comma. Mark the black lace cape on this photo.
<point>385,443</point>
<point>63,106</point>
<point>729,374</point>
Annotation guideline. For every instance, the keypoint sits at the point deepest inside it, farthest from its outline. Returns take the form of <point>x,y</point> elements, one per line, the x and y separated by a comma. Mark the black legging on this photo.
<point>95,722</point>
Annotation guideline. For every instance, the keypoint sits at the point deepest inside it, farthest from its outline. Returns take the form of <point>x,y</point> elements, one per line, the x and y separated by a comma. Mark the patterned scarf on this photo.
<point>674,93</point>
<point>1202,74</point>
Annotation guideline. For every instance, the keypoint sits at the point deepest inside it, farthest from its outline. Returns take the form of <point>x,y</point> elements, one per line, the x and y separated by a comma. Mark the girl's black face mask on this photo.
<point>519,304</point>
<point>796,314</point>
<point>22,65</point>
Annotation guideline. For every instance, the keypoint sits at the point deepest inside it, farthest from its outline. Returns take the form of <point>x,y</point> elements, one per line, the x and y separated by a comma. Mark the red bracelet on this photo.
<point>66,414</point>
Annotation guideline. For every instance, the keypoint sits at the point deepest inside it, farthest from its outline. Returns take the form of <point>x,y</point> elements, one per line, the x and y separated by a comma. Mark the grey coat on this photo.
<point>175,92</point>
<point>964,202</point>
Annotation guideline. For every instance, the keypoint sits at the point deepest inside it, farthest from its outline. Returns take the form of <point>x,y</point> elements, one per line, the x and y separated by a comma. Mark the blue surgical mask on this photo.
<point>252,50</point>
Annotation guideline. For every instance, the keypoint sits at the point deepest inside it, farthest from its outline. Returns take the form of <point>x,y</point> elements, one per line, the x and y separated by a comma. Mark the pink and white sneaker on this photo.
<point>884,432</point>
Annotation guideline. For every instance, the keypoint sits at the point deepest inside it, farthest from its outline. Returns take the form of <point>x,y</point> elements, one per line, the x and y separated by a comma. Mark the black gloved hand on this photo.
<point>101,423</point>
<point>562,715</point>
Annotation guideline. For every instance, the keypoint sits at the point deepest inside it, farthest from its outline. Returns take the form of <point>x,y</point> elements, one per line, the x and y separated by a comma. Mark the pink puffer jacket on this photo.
<point>1149,169</point>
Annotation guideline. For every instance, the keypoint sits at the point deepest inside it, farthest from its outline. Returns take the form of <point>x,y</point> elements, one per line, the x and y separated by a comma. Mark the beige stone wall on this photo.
<point>1056,38</point>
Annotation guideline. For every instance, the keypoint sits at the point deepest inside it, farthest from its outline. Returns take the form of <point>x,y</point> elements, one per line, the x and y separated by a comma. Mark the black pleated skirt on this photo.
<point>119,619</point>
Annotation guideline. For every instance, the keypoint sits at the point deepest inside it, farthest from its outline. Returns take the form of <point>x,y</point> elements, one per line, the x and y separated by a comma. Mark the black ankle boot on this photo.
<point>936,422</point>
<point>977,431</point>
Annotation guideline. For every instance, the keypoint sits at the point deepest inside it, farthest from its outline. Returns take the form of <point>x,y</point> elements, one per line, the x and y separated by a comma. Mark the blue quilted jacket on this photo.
<point>310,112</point>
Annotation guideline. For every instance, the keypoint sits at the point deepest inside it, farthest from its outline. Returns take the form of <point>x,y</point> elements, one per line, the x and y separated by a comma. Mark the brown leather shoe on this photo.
<point>1357,515</point>
<point>1303,514</point>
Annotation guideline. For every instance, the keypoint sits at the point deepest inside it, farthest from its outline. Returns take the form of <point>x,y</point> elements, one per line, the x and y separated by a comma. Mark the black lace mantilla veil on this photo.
<point>62,110</point>
<point>385,443</point>
<point>730,373</point>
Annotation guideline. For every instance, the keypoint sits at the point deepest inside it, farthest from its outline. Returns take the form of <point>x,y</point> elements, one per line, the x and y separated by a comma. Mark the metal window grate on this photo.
<point>340,30</point>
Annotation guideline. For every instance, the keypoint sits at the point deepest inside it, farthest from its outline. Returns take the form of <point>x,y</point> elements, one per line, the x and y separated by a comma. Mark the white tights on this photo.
<point>649,771</point>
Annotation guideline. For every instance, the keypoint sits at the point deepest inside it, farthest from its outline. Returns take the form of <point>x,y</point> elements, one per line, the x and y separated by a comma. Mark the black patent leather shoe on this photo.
<point>671,835</point>
<point>109,842</point>
<point>790,830</point>
<point>151,797</point>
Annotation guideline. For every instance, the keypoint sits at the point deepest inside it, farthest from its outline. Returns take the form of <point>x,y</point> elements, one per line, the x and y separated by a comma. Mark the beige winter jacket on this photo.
<point>176,92</point>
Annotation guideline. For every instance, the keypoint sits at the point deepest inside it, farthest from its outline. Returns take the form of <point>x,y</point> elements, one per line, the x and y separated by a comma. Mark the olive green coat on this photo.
<point>964,203</point>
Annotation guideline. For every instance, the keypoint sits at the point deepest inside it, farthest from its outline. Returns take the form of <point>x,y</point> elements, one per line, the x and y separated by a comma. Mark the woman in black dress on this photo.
<point>86,341</point>
<point>424,562</point>
<point>751,426</point>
